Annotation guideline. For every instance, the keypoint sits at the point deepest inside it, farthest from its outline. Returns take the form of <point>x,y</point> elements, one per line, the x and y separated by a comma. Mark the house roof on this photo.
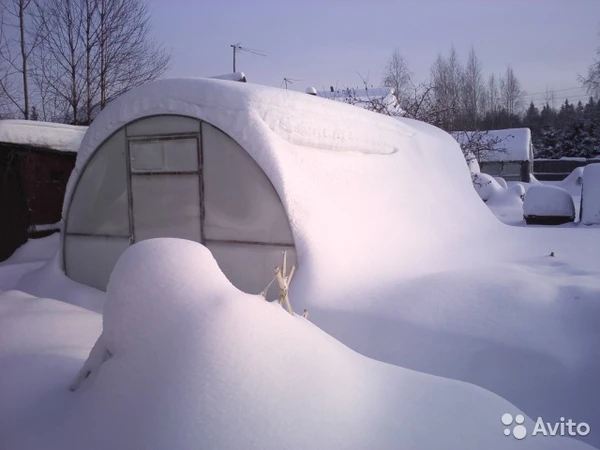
<point>513,144</point>
<point>42,135</point>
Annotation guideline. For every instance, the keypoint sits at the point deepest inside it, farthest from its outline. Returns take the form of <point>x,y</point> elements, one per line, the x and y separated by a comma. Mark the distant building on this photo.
<point>509,154</point>
<point>36,160</point>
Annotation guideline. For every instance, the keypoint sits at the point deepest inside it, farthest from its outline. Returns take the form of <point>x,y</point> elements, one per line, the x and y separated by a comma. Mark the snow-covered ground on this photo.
<point>415,292</point>
<point>186,360</point>
<point>507,207</point>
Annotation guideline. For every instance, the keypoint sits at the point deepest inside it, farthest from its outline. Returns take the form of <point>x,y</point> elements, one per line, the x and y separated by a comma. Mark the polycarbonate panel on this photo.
<point>90,259</point>
<point>99,204</point>
<point>164,155</point>
<point>251,267</point>
<point>240,203</point>
<point>166,206</point>
<point>163,125</point>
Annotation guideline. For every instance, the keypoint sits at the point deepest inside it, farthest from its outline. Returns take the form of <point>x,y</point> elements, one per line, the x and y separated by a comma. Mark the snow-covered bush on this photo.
<point>575,178</point>
<point>473,165</point>
<point>590,195</point>
<point>485,185</point>
<point>501,181</point>
<point>548,205</point>
<point>518,189</point>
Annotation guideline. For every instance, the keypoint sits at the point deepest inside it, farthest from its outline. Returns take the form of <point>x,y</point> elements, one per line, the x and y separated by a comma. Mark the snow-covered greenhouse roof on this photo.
<point>513,144</point>
<point>338,170</point>
<point>45,135</point>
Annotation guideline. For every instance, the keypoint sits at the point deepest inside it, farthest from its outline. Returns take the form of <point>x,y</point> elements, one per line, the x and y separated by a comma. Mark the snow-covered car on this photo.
<point>548,205</point>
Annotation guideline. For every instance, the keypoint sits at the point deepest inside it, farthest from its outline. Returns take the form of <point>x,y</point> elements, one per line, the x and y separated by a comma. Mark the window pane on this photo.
<point>511,169</point>
<point>250,268</point>
<point>166,155</point>
<point>100,200</point>
<point>165,124</point>
<point>166,206</point>
<point>239,200</point>
<point>90,259</point>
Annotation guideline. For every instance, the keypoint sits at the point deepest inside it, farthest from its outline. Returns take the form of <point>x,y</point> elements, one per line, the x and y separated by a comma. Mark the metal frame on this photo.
<point>201,181</point>
<point>131,174</point>
<point>102,235</point>
<point>243,242</point>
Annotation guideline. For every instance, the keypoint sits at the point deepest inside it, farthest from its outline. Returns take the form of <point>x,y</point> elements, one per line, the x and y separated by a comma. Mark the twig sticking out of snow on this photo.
<point>284,280</point>
<point>98,355</point>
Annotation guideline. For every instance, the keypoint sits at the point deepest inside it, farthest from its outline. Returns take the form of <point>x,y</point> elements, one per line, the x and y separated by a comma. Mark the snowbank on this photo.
<point>501,181</point>
<point>486,186</point>
<point>543,200</point>
<point>573,181</point>
<point>590,195</point>
<point>190,362</point>
<point>48,135</point>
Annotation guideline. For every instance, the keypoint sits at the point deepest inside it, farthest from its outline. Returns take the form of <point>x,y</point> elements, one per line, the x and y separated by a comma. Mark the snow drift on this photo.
<point>191,362</point>
<point>398,256</point>
<point>590,195</point>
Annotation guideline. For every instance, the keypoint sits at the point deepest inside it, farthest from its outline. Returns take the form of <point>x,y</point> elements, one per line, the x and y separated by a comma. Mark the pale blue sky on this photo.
<point>328,42</point>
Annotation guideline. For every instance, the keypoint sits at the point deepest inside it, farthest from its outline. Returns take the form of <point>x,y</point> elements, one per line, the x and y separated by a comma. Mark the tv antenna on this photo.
<point>238,48</point>
<point>287,81</point>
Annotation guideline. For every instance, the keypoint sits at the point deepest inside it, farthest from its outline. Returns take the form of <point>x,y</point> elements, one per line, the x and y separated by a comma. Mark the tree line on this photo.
<point>457,97</point>
<point>64,60</point>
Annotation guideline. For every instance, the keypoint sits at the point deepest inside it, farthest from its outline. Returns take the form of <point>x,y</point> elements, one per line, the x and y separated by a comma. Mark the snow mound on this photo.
<point>501,181</point>
<point>590,195</point>
<point>574,179</point>
<point>473,165</point>
<point>53,136</point>
<point>486,186</point>
<point>190,362</point>
<point>550,201</point>
<point>518,189</point>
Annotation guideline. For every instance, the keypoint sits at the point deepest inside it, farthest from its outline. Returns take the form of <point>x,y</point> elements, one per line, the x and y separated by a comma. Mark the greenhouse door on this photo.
<point>165,187</point>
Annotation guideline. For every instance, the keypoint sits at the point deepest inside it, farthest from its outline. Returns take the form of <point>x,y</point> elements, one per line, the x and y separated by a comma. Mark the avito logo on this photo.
<point>565,427</point>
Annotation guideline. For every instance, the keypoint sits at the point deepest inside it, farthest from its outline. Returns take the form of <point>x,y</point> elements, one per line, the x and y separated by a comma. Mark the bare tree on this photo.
<point>550,97</point>
<point>18,46</point>
<point>511,94</point>
<point>480,145</point>
<point>61,54</point>
<point>472,91</point>
<point>128,55</point>
<point>493,95</point>
<point>92,51</point>
<point>398,77</point>
<point>446,74</point>
<point>591,80</point>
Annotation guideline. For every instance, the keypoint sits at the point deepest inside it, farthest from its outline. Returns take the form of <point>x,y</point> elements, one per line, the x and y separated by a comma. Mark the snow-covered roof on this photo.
<point>365,97</point>
<point>514,144</point>
<point>46,135</point>
<point>336,168</point>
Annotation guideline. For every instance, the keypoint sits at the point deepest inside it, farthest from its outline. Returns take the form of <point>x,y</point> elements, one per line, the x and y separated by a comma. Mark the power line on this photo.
<point>552,91</point>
